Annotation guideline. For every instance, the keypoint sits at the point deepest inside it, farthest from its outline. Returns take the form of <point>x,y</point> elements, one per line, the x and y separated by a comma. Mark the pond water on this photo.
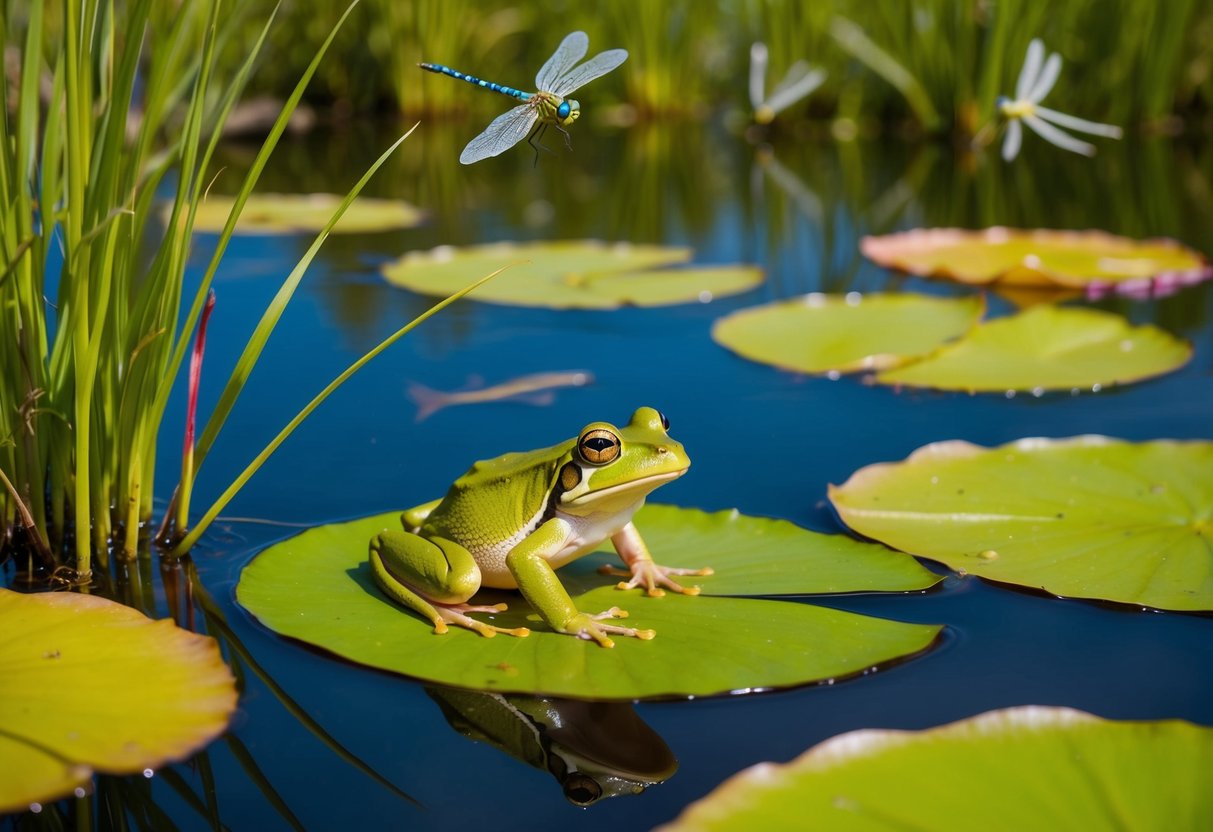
<point>764,441</point>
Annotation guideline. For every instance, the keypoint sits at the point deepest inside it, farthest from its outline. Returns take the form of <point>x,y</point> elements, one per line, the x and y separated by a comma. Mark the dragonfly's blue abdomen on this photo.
<point>472,79</point>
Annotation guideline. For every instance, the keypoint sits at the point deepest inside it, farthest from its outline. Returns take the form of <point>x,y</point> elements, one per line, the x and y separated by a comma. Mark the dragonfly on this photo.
<point>550,106</point>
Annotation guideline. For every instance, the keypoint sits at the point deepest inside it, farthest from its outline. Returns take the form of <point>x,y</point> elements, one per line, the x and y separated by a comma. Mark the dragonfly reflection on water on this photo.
<point>548,106</point>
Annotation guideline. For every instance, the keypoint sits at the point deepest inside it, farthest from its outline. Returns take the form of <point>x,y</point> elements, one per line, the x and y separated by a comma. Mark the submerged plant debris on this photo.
<point>1095,261</point>
<point>1013,769</point>
<point>1086,517</point>
<point>583,274</point>
<point>316,587</point>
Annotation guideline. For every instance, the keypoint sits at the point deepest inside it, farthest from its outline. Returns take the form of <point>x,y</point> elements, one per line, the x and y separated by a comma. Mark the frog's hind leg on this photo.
<point>433,577</point>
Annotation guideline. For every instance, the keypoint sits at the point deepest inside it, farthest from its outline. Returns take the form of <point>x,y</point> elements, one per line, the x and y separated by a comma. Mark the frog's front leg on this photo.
<point>528,563</point>
<point>641,568</point>
<point>432,576</point>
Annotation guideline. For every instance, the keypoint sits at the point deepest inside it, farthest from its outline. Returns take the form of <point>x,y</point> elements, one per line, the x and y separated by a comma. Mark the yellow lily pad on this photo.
<point>1020,768</point>
<point>846,333</point>
<point>1096,261</point>
<point>584,274</point>
<point>1046,348</point>
<point>306,213</point>
<point>88,685</point>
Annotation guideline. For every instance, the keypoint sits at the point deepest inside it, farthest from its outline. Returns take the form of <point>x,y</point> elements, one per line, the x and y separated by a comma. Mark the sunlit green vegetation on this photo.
<point>937,64</point>
<point>123,111</point>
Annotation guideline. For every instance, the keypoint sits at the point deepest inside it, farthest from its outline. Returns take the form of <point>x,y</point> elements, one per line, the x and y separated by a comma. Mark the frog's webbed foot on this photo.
<point>587,626</point>
<point>653,577</point>
<point>456,614</point>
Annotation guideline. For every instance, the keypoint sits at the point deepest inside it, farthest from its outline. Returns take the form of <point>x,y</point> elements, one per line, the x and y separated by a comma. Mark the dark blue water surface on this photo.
<point>765,441</point>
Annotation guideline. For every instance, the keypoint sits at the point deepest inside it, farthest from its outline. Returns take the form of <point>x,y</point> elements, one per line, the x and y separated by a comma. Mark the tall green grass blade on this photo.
<point>855,41</point>
<point>188,541</point>
<point>242,195</point>
<point>256,343</point>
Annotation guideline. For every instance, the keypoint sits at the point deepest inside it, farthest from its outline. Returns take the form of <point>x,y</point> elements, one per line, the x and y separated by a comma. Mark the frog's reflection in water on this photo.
<point>594,750</point>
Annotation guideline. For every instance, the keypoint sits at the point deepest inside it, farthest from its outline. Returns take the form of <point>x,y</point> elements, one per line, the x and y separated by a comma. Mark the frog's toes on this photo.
<point>653,577</point>
<point>455,615</point>
<point>589,628</point>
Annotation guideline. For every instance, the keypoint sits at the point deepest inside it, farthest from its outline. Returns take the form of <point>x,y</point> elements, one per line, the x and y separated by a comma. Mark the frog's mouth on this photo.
<point>637,488</point>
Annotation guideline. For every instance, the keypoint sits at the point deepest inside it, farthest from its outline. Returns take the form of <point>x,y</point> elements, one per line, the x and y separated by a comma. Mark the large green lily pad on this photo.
<point>316,587</point>
<point>1087,517</point>
<point>1015,769</point>
<point>582,274</point>
<point>1093,260</point>
<point>844,333</point>
<point>1046,348</point>
<point>302,213</point>
<point>90,685</point>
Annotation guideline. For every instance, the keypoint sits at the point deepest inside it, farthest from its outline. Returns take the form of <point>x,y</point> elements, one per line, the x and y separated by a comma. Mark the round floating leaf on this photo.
<point>570,275</point>
<point>844,333</point>
<point>301,213</point>
<point>1015,769</point>
<point>90,685</point>
<point>760,556</point>
<point>317,587</point>
<point>1046,348</point>
<point>1087,517</point>
<point>1094,260</point>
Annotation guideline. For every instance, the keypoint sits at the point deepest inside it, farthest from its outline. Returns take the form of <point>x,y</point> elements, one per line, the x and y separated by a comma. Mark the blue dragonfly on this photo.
<point>549,106</point>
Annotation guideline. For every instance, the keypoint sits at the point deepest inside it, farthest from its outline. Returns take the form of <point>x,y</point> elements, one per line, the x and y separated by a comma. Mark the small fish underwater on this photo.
<point>537,389</point>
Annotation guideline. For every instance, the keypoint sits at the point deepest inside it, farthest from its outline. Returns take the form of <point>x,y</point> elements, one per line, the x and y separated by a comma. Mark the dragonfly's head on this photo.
<point>567,112</point>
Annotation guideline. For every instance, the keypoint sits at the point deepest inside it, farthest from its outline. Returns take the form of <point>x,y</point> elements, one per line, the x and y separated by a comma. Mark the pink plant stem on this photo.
<point>191,412</point>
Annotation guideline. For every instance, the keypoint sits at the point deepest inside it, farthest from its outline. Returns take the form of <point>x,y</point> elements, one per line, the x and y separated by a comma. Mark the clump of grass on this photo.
<point>92,298</point>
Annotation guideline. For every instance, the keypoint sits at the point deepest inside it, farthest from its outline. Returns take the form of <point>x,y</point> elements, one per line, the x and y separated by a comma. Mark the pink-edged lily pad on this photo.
<point>1095,261</point>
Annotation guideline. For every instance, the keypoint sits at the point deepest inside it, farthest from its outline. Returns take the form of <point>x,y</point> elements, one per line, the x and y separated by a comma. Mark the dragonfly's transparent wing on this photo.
<point>1058,137</point>
<point>503,132</point>
<point>1031,69</point>
<point>1076,123</point>
<point>1048,77</point>
<point>1010,145</point>
<point>798,83</point>
<point>758,74</point>
<point>595,67</point>
<point>571,50</point>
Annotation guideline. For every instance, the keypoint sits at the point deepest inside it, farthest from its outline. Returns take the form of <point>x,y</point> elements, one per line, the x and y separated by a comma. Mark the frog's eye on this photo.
<point>598,447</point>
<point>665,423</point>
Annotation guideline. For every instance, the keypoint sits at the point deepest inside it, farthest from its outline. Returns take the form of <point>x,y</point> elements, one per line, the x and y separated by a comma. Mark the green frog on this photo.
<point>510,522</point>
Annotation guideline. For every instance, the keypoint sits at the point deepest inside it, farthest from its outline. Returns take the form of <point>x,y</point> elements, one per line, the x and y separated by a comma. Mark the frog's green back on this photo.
<point>498,499</point>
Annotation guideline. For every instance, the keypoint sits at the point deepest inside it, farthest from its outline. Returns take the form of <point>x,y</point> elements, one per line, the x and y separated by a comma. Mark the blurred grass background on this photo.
<point>933,66</point>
